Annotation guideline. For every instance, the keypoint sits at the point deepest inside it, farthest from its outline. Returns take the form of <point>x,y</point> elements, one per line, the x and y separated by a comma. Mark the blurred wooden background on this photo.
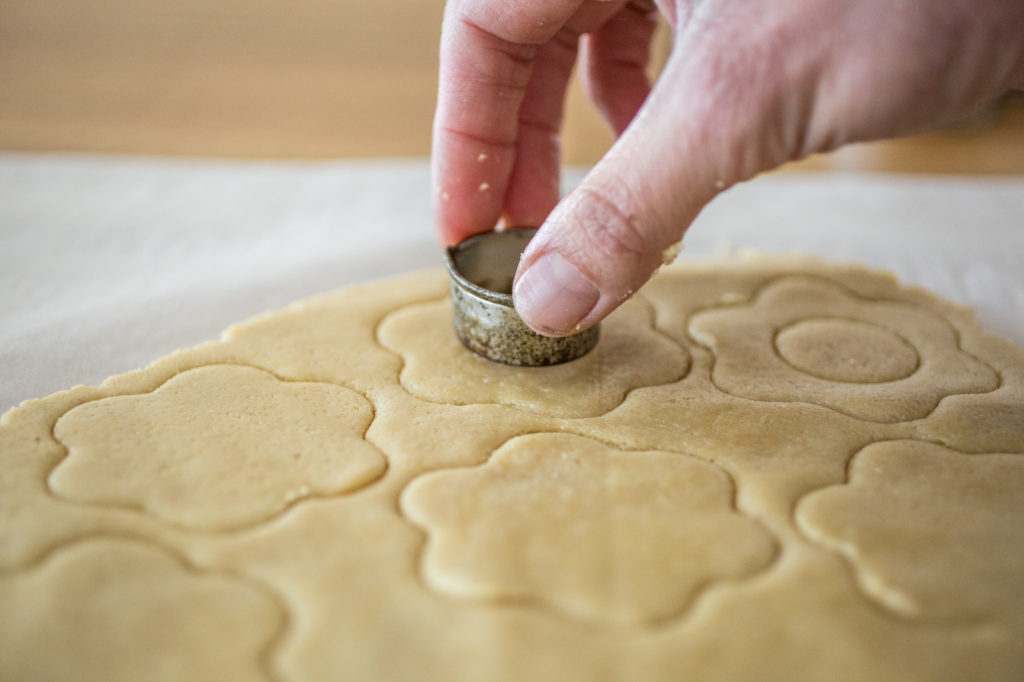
<point>309,79</point>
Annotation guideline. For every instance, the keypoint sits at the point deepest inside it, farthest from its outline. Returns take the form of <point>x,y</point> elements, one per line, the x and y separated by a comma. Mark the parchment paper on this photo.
<point>108,263</point>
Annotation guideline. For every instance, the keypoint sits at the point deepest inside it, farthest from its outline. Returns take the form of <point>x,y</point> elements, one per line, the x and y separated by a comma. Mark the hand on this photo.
<point>750,85</point>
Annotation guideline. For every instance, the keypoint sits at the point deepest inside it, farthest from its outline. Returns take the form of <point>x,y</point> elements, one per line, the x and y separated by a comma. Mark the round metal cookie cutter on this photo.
<point>482,269</point>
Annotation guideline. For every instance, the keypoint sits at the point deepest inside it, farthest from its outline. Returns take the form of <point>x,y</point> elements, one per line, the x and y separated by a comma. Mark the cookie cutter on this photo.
<point>482,269</point>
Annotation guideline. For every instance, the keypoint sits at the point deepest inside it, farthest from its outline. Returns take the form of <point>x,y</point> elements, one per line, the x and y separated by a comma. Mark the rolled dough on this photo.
<point>770,468</point>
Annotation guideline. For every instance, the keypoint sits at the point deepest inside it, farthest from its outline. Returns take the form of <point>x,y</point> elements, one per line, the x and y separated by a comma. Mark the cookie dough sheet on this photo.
<point>772,467</point>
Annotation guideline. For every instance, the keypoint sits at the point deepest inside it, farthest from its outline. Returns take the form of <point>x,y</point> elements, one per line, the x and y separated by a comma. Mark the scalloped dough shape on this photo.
<point>106,610</point>
<point>438,368</point>
<point>217,447</point>
<point>812,340</point>
<point>662,546</point>
<point>600,533</point>
<point>933,532</point>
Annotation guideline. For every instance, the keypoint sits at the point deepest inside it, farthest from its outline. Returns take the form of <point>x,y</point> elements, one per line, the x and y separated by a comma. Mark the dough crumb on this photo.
<point>669,255</point>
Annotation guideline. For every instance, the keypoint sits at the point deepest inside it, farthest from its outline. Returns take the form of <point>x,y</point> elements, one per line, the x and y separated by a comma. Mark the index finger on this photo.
<point>487,54</point>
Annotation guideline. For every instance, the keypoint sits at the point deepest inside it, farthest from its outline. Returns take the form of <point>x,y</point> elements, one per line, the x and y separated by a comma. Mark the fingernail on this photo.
<point>552,296</point>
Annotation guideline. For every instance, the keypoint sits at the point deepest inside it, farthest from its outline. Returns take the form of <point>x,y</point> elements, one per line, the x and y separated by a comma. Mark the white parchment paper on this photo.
<point>108,263</point>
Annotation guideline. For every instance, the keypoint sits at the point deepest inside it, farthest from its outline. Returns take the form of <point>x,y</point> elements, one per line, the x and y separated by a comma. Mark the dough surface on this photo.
<point>770,468</point>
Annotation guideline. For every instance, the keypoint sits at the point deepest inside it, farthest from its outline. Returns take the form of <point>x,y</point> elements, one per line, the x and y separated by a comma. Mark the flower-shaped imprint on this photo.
<point>110,610</point>
<point>630,354</point>
<point>807,339</point>
<point>931,532</point>
<point>598,533</point>
<point>217,447</point>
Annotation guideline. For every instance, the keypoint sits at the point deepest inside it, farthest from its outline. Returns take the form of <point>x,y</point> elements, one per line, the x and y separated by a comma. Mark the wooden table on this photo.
<point>306,79</point>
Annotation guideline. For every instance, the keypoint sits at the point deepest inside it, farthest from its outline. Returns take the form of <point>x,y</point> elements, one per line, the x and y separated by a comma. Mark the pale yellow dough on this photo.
<point>583,527</point>
<point>770,468</point>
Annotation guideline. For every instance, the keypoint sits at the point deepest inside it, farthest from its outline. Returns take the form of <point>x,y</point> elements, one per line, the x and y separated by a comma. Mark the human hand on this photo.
<point>749,86</point>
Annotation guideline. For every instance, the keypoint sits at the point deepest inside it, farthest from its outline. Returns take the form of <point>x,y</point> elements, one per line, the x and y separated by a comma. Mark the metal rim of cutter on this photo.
<point>482,269</point>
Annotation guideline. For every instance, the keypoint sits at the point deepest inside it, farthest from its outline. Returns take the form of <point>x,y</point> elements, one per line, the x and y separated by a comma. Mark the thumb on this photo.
<point>608,236</point>
<point>723,109</point>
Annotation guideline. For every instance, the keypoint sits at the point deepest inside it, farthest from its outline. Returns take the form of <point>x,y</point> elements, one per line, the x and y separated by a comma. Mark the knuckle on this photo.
<point>609,227</point>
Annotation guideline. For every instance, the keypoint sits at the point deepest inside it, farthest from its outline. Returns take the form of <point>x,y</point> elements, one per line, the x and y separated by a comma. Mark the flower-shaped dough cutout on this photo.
<point>601,534</point>
<point>807,339</point>
<point>109,610</point>
<point>630,354</point>
<point>931,531</point>
<point>217,447</point>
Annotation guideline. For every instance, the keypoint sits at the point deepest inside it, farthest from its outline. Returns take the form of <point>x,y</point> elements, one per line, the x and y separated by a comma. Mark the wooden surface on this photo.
<point>306,79</point>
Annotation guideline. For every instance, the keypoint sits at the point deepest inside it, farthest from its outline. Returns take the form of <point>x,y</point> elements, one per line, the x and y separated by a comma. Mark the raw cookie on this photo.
<point>575,524</point>
<point>106,609</point>
<point>218,447</point>
<point>922,524</point>
<point>814,341</point>
<point>772,469</point>
<point>437,368</point>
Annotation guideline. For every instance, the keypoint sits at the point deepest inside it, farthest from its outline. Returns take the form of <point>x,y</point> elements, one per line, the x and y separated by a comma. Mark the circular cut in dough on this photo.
<point>852,351</point>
